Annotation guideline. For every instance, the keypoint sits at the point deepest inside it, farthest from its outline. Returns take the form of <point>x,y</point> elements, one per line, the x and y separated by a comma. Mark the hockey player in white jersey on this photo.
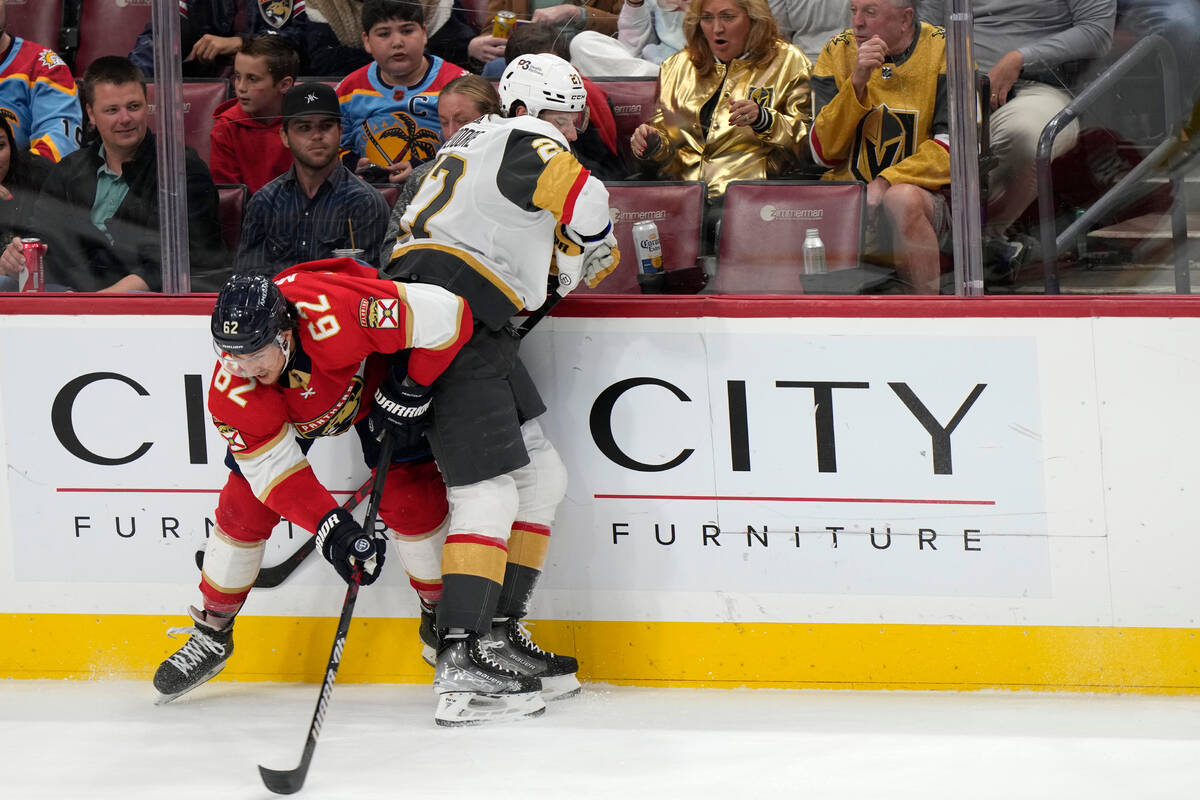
<point>504,196</point>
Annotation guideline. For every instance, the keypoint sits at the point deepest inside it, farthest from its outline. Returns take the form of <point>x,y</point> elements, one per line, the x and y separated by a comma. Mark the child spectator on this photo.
<point>389,108</point>
<point>246,147</point>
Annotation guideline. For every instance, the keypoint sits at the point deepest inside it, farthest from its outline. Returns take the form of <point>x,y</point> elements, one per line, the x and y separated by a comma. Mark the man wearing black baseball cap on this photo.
<point>318,205</point>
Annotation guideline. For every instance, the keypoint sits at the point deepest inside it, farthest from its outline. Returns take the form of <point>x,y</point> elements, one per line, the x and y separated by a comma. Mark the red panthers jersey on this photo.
<point>345,314</point>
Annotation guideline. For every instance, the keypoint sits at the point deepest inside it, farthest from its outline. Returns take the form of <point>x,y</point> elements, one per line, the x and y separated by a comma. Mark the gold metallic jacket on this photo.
<point>729,152</point>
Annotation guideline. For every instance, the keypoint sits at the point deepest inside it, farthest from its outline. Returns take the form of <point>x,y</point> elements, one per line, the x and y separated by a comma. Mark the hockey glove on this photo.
<point>402,405</point>
<point>348,547</point>
<point>588,259</point>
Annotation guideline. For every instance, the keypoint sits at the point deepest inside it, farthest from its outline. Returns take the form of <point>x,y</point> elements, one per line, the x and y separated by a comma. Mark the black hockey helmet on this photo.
<point>249,315</point>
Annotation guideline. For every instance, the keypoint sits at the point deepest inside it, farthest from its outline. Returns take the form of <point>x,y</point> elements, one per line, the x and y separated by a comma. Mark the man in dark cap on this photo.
<point>318,206</point>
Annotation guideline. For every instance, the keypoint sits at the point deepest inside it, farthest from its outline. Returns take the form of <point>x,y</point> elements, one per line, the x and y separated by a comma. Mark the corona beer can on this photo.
<point>647,248</point>
<point>503,24</point>
<point>32,278</point>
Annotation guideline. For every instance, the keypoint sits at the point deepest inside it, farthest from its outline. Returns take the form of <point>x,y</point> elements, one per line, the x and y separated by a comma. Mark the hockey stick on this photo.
<point>536,316</point>
<point>270,577</point>
<point>289,781</point>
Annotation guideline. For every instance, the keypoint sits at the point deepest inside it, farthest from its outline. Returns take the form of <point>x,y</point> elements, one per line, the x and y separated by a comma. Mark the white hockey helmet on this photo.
<point>542,82</point>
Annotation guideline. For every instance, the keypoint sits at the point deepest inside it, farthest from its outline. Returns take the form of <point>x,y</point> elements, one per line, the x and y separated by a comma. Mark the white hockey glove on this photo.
<point>588,260</point>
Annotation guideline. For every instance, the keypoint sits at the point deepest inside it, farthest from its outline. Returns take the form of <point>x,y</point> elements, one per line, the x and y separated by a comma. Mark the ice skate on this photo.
<point>428,633</point>
<point>473,687</point>
<point>511,646</point>
<point>199,660</point>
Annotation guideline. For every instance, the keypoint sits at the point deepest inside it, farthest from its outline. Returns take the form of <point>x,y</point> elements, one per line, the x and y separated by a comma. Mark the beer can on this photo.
<point>647,248</point>
<point>503,24</point>
<point>32,278</point>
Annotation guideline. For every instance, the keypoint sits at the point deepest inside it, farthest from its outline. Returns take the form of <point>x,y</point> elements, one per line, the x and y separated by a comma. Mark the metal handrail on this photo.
<point>1128,188</point>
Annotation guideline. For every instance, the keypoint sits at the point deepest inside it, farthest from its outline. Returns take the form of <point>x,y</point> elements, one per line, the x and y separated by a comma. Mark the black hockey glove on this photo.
<point>346,545</point>
<point>399,404</point>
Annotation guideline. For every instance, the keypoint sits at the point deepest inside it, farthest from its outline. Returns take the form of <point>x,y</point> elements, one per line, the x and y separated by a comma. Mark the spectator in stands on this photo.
<point>318,205</point>
<point>208,39</point>
<point>592,15</point>
<point>453,37</point>
<point>1032,51</point>
<point>389,108</point>
<point>21,176</point>
<point>648,32</point>
<point>810,23</point>
<point>879,99</point>
<point>37,95</point>
<point>466,98</point>
<point>733,105</point>
<point>323,32</point>
<point>246,146</point>
<point>596,145</point>
<point>103,198</point>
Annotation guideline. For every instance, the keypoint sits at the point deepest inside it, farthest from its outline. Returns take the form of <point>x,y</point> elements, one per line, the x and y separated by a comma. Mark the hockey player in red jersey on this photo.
<point>504,194</point>
<point>299,358</point>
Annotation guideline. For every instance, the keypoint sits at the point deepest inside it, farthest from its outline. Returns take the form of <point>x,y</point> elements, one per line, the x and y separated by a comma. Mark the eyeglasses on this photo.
<point>726,18</point>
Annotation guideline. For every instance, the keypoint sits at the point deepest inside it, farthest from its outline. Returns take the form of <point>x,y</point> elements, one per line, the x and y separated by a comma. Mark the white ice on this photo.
<point>90,740</point>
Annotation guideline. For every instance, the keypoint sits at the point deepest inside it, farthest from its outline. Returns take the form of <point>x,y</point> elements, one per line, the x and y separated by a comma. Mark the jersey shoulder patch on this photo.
<point>379,312</point>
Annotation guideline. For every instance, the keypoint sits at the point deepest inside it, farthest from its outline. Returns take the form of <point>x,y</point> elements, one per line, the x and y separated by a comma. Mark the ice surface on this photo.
<point>84,740</point>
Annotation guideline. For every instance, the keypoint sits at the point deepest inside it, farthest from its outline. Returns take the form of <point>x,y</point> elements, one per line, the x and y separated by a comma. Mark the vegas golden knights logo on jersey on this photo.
<point>884,137</point>
<point>762,96</point>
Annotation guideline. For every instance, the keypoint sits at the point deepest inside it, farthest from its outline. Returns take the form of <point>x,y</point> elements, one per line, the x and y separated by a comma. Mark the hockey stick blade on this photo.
<point>290,781</point>
<point>270,577</point>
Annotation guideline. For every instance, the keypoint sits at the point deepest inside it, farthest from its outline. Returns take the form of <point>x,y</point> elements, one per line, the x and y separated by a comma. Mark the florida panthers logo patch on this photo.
<point>232,435</point>
<point>379,312</point>
<point>277,12</point>
<point>398,138</point>
<point>49,59</point>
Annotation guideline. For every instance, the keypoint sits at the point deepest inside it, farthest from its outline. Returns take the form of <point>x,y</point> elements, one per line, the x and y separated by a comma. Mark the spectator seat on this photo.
<point>331,81</point>
<point>108,28</point>
<point>39,21</point>
<point>390,194</point>
<point>200,99</point>
<point>232,199</point>
<point>676,207</point>
<point>632,102</point>
<point>763,227</point>
<point>478,15</point>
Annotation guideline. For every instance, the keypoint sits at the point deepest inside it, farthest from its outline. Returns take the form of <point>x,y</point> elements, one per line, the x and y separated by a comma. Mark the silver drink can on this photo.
<point>647,248</point>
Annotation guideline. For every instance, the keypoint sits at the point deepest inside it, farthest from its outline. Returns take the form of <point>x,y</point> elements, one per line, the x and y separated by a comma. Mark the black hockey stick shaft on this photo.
<point>270,577</point>
<point>536,316</point>
<point>290,781</point>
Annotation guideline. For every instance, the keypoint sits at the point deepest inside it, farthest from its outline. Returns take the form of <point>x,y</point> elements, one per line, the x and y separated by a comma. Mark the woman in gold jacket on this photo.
<point>733,104</point>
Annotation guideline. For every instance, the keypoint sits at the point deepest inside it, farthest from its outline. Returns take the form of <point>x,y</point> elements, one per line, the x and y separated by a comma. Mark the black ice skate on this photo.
<point>200,659</point>
<point>428,634</point>
<point>473,687</point>
<point>511,646</point>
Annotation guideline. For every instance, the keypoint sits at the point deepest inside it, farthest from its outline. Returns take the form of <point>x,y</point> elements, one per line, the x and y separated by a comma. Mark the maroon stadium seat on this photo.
<point>478,15</point>
<point>632,102</point>
<point>676,207</point>
<point>390,194</point>
<point>39,21</point>
<point>200,99</point>
<point>763,226</point>
<point>232,204</point>
<point>108,28</point>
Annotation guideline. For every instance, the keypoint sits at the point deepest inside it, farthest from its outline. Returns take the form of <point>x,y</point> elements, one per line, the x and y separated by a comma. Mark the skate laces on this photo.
<point>193,653</point>
<point>484,650</point>
<point>519,631</point>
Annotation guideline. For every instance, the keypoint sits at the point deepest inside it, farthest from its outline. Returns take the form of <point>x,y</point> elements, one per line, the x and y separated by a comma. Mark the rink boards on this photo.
<point>869,493</point>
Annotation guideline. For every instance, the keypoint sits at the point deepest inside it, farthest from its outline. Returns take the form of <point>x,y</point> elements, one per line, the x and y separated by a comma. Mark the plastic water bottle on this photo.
<point>814,253</point>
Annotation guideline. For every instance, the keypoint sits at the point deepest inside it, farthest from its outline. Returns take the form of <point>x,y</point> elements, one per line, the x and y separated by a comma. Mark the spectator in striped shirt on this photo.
<point>318,205</point>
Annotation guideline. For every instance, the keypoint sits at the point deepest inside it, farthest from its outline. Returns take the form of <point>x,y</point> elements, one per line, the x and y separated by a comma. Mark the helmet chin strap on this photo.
<point>285,345</point>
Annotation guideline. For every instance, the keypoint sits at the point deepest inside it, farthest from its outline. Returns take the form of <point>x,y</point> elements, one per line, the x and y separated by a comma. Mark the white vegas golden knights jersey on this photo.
<point>496,192</point>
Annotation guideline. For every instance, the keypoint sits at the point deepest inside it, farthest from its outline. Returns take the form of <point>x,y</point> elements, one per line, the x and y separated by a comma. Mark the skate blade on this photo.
<point>429,655</point>
<point>560,687</point>
<point>455,709</point>
<point>163,699</point>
